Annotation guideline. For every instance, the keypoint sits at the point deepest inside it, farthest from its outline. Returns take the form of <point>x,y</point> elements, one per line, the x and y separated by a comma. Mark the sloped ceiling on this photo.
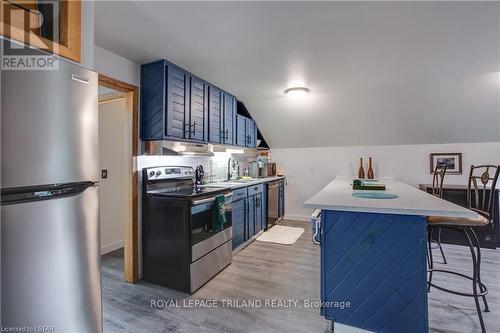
<point>379,73</point>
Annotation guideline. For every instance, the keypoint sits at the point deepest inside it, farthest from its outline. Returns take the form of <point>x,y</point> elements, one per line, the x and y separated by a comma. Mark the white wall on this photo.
<point>308,170</point>
<point>115,196</point>
<point>115,66</point>
<point>88,15</point>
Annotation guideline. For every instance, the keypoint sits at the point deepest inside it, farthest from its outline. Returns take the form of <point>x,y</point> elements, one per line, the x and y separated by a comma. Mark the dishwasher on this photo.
<point>273,215</point>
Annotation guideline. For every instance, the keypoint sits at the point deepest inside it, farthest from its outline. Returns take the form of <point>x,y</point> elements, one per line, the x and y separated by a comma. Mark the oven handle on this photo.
<point>202,201</point>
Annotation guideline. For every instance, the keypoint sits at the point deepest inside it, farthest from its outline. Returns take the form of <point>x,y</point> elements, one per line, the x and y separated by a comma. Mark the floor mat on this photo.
<point>281,235</point>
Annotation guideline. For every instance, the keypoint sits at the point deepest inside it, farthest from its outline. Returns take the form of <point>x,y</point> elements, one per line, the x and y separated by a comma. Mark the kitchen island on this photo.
<point>373,254</point>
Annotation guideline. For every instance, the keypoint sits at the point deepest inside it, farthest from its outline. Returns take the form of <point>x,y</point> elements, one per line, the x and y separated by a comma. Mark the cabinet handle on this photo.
<point>194,128</point>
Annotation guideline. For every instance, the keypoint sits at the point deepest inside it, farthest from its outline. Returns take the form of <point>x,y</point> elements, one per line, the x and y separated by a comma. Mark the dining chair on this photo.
<point>480,198</point>
<point>437,190</point>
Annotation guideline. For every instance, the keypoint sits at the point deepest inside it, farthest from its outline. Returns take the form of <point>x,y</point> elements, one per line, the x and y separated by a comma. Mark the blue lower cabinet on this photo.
<point>251,216</point>
<point>258,212</point>
<point>249,213</point>
<point>238,219</point>
<point>374,275</point>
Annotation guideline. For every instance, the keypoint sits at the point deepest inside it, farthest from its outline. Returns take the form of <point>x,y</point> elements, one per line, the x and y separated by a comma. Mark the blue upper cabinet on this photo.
<point>198,116</point>
<point>229,132</point>
<point>251,134</point>
<point>176,105</point>
<point>215,123</point>
<point>241,129</point>
<point>177,116</point>
<point>153,98</point>
<point>247,132</point>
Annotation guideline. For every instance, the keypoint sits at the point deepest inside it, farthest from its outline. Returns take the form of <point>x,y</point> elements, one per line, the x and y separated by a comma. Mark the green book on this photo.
<point>358,184</point>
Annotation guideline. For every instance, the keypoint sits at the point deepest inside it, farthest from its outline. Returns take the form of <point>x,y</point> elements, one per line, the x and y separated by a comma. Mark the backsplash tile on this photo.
<point>215,166</point>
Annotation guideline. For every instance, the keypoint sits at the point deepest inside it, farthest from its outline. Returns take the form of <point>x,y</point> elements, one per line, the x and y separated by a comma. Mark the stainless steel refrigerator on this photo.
<point>50,259</point>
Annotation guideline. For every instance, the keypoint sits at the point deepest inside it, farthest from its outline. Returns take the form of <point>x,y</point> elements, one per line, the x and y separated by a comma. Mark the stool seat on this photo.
<point>457,221</point>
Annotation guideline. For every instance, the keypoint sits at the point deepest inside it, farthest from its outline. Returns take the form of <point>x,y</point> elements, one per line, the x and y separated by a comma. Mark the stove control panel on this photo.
<point>168,172</point>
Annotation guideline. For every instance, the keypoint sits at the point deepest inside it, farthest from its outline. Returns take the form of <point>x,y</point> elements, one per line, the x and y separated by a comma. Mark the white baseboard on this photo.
<point>111,247</point>
<point>297,217</point>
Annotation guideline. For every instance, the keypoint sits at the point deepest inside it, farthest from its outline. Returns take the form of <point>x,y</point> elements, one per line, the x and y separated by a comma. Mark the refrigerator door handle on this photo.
<point>11,196</point>
<point>79,78</point>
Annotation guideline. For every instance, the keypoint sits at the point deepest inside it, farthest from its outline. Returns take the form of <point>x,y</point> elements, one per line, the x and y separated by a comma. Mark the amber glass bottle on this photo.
<point>361,171</point>
<point>370,169</point>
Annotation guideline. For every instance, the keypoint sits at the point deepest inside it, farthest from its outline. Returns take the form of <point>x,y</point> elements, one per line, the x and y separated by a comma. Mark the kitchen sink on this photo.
<point>239,181</point>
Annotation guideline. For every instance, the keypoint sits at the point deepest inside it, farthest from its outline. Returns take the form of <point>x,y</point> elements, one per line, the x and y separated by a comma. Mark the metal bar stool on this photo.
<point>437,190</point>
<point>481,200</point>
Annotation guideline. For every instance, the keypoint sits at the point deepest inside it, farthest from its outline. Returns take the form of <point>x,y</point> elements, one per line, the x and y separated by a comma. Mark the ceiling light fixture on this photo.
<point>297,91</point>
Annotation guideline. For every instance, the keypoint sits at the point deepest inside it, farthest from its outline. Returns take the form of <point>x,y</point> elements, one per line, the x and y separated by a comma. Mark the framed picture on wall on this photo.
<point>453,160</point>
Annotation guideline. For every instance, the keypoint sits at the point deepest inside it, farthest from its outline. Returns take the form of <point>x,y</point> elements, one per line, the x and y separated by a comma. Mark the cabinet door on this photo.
<point>229,119</point>
<point>197,128</point>
<point>241,138</point>
<point>177,102</point>
<point>258,212</point>
<point>250,217</point>
<point>264,209</point>
<point>153,83</point>
<point>281,202</point>
<point>238,221</point>
<point>215,115</point>
<point>250,135</point>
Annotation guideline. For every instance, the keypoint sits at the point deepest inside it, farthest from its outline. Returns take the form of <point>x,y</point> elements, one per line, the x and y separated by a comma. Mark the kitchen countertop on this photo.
<point>337,195</point>
<point>235,185</point>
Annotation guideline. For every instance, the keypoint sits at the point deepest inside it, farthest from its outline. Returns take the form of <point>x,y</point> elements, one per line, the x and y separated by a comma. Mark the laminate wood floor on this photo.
<point>266,271</point>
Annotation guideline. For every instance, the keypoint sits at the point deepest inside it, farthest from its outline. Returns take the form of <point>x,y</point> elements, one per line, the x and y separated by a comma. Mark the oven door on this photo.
<point>206,233</point>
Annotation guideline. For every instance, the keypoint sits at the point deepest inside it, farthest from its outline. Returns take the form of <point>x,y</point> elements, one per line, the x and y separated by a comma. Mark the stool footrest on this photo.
<point>479,294</point>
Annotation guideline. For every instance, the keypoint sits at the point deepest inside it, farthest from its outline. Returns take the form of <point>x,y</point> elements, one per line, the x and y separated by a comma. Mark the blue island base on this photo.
<point>373,271</point>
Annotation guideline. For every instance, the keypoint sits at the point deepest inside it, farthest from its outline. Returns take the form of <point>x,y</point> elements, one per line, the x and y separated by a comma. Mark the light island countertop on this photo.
<point>337,195</point>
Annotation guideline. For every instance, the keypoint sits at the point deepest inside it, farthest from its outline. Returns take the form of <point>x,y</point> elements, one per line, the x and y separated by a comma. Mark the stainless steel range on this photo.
<point>187,230</point>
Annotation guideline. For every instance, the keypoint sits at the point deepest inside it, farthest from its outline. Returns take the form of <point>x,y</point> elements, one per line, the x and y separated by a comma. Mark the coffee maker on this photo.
<point>261,166</point>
